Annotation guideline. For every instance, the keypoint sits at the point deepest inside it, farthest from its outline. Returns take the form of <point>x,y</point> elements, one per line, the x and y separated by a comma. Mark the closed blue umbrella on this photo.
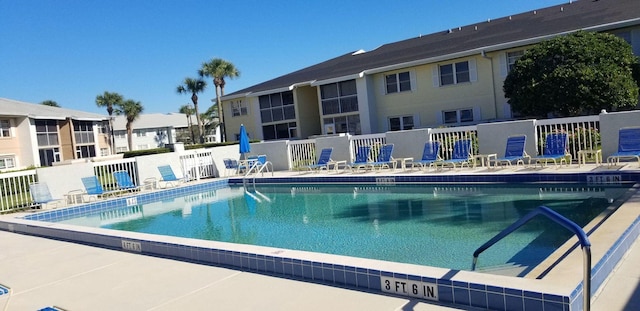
<point>244,141</point>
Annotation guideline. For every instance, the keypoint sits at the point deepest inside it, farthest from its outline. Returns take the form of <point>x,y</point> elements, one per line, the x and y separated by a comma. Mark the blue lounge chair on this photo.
<point>384,159</point>
<point>41,196</point>
<point>362,158</point>
<point>555,149</point>
<point>461,154</point>
<point>124,181</point>
<point>257,164</point>
<point>93,188</point>
<point>323,160</point>
<point>628,146</point>
<point>168,177</point>
<point>514,152</point>
<point>430,155</point>
<point>232,165</point>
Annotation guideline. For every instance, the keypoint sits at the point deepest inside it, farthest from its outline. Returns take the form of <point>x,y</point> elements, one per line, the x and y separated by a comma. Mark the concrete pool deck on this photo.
<point>43,272</point>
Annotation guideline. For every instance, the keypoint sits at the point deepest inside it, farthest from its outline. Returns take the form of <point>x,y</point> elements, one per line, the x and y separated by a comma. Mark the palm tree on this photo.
<point>219,69</point>
<point>109,100</point>
<point>51,103</point>
<point>131,109</point>
<point>188,111</point>
<point>194,86</point>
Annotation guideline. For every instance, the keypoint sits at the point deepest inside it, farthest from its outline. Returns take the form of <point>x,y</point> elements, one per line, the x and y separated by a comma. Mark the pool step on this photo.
<point>510,269</point>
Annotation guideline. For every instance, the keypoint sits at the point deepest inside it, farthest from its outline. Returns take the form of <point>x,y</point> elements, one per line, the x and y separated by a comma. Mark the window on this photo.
<point>344,124</point>
<point>47,133</point>
<point>454,73</point>
<point>140,133</point>
<point>401,123</point>
<point>49,155</point>
<point>7,162</point>
<point>238,108</point>
<point>512,57</point>
<point>457,116</point>
<point>142,147</point>
<point>104,152</point>
<point>339,97</point>
<point>277,107</point>
<point>85,152</point>
<point>398,82</point>
<point>280,131</point>
<point>122,149</point>
<point>83,132</point>
<point>5,128</point>
<point>120,134</point>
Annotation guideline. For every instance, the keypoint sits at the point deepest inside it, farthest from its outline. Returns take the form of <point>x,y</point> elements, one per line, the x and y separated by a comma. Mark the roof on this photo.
<point>490,35</point>
<point>11,107</point>
<point>153,120</point>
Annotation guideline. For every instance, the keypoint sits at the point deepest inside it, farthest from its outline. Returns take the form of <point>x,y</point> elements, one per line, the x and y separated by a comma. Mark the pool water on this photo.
<point>434,225</point>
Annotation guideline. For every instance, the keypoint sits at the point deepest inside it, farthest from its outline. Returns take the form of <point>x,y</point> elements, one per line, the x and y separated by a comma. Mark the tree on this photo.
<point>219,69</point>
<point>51,103</point>
<point>577,74</point>
<point>131,110</point>
<point>194,86</point>
<point>188,111</point>
<point>109,100</point>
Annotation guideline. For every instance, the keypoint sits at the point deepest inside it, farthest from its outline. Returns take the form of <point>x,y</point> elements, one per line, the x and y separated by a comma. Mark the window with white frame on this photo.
<point>454,73</point>
<point>457,116</point>
<point>398,82</point>
<point>401,123</point>
<point>280,131</point>
<point>140,133</point>
<point>7,161</point>
<point>120,134</point>
<point>238,108</point>
<point>512,57</point>
<point>83,132</point>
<point>277,107</point>
<point>143,147</point>
<point>344,124</point>
<point>122,149</point>
<point>5,128</point>
<point>47,132</point>
<point>104,152</point>
<point>341,97</point>
<point>85,151</point>
<point>49,155</point>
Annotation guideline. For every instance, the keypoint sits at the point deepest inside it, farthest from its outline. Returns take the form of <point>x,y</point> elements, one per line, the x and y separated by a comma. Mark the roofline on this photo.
<point>339,79</point>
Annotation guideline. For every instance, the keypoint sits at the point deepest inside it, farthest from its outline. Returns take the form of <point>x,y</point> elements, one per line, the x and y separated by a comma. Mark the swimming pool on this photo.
<point>558,289</point>
<point>431,225</point>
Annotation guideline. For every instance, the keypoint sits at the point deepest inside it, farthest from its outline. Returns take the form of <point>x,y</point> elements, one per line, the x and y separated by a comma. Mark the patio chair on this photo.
<point>555,149</point>
<point>323,160</point>
<point>628,146</point>
<point>168,177</point>
<point>124,181</point>
<point>258,164</point>
<point>384,159</point>
<point>41,196</point>
<point>93,188</point>
<point>461,154</point>
<point>232,165</point>
<point>430,155</point>
<point>514,152</point>
<point>362,158</point>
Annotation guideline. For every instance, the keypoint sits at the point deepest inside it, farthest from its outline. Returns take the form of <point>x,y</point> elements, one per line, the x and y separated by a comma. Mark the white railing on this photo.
<point>448,136</point>
<point>104,171</point>
<point>14,190</point>
<point>583,132</point>
<point>372,140</point>
<point>197,164</point>
<point>301,153</point>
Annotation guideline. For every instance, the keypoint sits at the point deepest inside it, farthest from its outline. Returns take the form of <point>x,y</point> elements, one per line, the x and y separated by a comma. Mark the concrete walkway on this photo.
<point>43,273</point>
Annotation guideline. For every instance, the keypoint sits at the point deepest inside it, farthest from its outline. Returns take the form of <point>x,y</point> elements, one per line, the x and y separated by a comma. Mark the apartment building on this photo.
<point>448,78</point>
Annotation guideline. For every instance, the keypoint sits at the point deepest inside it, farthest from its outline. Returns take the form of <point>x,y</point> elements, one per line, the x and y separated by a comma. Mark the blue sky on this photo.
<point>70,51</point>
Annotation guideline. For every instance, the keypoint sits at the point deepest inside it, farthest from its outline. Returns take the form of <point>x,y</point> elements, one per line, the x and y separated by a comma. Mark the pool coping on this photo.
<point>462,288</point>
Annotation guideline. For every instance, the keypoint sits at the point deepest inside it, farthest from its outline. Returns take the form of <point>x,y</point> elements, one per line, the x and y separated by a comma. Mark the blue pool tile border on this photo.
<point>449,291</point>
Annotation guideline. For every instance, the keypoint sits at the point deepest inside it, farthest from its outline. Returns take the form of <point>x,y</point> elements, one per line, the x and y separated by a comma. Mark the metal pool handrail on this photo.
<point>573,227</point>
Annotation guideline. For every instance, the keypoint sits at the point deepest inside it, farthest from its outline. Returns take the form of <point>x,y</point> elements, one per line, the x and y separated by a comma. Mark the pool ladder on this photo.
<point>561,220</point>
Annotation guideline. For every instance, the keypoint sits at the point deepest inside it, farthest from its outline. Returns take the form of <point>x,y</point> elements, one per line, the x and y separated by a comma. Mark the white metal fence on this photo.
<point>583,133</point>
<point>104,171</point>
<point>198,164</point>
<point>375,141</point>
<point>301,153</point>
<point>448,136</point>
<point>14,190</point>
